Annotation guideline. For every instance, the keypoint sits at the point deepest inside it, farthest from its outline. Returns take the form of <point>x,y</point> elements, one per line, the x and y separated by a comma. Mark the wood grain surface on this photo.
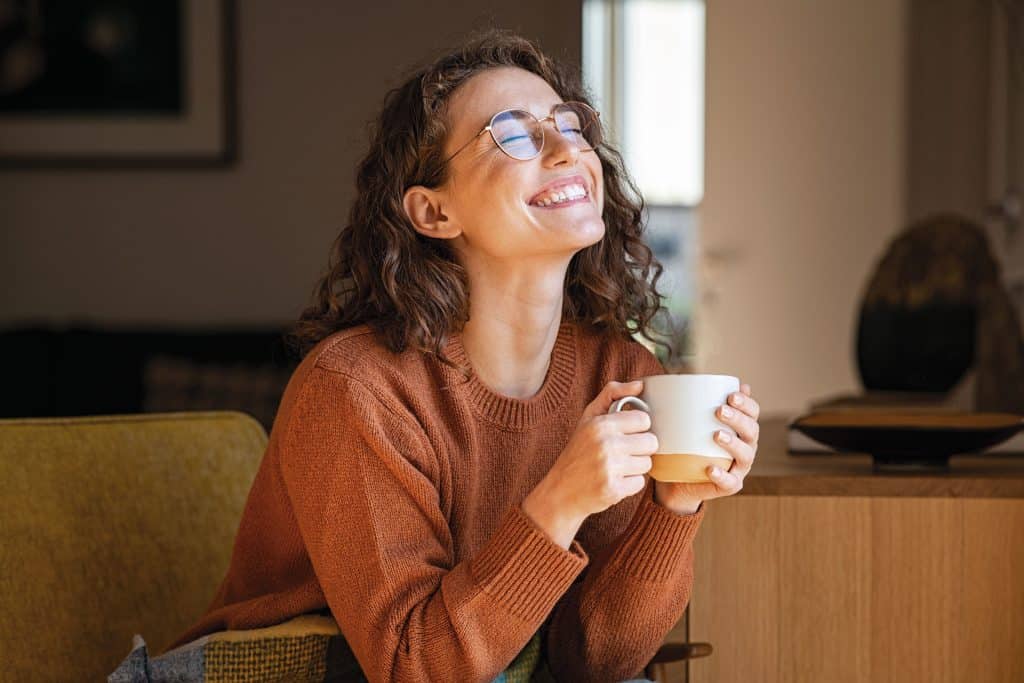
<point>848,588</point>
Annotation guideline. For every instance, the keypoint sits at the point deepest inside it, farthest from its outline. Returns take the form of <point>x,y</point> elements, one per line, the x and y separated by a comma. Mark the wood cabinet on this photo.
<point>820,570</point>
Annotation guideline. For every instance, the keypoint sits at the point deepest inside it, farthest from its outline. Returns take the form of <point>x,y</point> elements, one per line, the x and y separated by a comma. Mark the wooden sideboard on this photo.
<point>822,571</point>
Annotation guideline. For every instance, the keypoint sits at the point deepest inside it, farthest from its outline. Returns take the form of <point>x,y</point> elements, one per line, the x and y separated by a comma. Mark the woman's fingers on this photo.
<point>636,464</point>
<point>629,421</point>
<point>744,402</point>
<point>727,482</point>
<point>644,443</point>
<point>612,391</point>
<point>741,452</point>
<point>634,453</point>
<point>746,427</point>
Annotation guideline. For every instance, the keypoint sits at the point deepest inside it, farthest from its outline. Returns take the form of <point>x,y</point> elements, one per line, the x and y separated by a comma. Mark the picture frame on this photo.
<point>169,102</point>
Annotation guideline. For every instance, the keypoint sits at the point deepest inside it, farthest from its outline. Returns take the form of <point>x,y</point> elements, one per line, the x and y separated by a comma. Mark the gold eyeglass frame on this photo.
<point>540,122</point>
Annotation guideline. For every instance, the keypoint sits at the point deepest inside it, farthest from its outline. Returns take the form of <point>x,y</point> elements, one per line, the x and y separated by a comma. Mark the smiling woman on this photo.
<point>424,123</point>
<point>447,433</point>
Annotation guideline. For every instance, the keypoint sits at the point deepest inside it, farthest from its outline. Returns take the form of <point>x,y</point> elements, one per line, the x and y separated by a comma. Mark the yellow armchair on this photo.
<point>113,526</point>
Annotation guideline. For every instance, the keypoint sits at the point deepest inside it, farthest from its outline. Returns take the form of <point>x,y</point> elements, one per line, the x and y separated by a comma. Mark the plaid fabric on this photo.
<point>307,649</point>
<point>523,666</point>
<point>296,658</point>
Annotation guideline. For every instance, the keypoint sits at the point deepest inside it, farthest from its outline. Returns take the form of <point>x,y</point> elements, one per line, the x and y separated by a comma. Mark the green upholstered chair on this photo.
<point>111,526</point>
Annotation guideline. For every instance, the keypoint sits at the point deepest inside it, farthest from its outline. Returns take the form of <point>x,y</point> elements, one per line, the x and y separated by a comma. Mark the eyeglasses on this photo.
<point>520,134</point>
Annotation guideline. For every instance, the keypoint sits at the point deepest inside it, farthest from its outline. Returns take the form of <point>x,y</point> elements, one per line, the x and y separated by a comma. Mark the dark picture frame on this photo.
<point>180,113</point>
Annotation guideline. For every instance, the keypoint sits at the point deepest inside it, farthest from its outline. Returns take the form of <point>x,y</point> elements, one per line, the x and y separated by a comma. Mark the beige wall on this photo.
<point>243,245</point>
<point>948,102</point>
<point>804,185</point>
<point>963,154</point>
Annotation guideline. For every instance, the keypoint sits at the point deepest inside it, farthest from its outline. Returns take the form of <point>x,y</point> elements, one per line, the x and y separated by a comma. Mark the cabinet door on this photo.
<point>859,589</point>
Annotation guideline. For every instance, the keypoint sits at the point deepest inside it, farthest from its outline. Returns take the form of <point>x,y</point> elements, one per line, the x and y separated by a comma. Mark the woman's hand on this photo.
<point>604,461</point>
<point>741,414</point>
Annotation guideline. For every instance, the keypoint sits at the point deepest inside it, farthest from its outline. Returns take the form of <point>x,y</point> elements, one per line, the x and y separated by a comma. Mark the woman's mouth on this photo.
<point>567,195</point>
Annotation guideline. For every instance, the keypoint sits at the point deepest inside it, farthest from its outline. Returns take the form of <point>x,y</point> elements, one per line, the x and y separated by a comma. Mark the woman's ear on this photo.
<point>423,206</point>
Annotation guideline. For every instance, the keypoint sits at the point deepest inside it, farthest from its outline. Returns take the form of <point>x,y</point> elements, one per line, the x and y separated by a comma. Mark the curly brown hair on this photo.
<point>409,288</point>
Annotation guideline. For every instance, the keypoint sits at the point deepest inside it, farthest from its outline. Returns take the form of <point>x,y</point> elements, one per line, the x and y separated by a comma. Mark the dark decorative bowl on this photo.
<point>909,440</point>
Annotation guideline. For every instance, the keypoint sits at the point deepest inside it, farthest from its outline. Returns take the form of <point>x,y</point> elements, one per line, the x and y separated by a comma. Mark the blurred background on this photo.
<point>173,174</point>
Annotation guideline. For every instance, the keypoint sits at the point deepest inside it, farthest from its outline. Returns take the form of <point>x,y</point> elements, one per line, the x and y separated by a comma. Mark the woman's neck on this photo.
<point>511,359</point>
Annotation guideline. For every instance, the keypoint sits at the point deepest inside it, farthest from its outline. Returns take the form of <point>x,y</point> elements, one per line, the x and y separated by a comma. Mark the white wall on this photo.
<point>804,186</point>
<point>243,245</point>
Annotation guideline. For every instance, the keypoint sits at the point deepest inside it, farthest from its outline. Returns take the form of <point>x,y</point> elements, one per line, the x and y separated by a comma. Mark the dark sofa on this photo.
<point>98,370</point>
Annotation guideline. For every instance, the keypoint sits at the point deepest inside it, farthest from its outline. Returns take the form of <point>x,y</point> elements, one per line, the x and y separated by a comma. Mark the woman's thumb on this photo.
<point>612,392</point>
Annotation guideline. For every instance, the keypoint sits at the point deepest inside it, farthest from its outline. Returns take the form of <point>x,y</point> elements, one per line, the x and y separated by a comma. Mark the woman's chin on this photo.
<point>584,231</point>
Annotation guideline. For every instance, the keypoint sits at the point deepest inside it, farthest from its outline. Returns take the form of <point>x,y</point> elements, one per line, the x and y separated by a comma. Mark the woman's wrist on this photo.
<point>545,511</point>
<point>680,506</point>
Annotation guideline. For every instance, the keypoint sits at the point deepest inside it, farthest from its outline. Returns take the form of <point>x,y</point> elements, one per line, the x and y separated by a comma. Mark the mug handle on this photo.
<point>617,405</point>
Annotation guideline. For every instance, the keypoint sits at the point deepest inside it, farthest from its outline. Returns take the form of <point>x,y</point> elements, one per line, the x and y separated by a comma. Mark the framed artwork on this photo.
<point>117,83</point>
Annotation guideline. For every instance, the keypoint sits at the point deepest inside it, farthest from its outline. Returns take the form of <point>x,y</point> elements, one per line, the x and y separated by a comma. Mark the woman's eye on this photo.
<point>514,139</point>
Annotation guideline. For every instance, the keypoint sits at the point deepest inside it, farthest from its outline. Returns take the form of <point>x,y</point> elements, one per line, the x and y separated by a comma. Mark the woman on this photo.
<point>442,475</point>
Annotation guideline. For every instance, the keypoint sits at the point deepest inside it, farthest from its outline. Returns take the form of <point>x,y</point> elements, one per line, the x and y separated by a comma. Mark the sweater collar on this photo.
<point>516,413</point>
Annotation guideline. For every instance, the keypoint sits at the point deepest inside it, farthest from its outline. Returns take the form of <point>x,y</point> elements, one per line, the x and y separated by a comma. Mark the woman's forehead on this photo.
<point>495,90</point>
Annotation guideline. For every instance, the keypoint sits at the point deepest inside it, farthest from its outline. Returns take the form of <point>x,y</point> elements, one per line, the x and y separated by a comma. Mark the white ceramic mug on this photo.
<point>682,410</point>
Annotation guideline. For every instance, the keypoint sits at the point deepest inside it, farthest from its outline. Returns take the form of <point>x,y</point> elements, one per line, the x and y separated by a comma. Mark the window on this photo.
<point>644,63</point>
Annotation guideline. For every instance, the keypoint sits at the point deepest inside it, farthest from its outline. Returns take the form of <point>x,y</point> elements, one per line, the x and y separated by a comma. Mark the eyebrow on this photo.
<point>546,111</point>
<point>521,107</point>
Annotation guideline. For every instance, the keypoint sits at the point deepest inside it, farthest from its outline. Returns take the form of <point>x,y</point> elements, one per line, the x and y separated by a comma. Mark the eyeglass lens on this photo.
<point>521,136</point>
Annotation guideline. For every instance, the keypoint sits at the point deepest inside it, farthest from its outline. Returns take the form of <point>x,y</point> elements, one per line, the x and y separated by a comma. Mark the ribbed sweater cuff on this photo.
<point>657,540</point>
<point>521,567</point>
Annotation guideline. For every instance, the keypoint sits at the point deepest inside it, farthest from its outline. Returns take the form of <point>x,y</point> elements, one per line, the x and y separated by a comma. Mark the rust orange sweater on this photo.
<point>390,494</point>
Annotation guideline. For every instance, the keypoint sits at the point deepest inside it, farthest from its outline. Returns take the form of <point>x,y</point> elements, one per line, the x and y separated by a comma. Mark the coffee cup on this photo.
<point>682,410</point>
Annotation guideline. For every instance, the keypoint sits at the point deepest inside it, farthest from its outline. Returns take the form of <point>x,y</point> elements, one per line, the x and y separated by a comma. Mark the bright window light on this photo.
<point>644,60</point>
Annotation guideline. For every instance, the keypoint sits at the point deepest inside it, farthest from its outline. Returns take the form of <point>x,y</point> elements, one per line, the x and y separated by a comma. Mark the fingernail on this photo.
<point>737,400</point>
<point>715,472</point>
<point>726,411</point>
<point>724,437</point>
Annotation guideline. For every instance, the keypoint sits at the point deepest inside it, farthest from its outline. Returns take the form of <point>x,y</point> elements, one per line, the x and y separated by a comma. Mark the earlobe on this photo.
<point>423,207</point>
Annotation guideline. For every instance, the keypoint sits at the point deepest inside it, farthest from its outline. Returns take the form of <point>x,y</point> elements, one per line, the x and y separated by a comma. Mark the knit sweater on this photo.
<point>390,493</point>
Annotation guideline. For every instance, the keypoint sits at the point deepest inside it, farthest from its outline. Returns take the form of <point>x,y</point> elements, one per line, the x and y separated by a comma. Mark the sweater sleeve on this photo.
<point>363,483</point>
<point>611,623</point>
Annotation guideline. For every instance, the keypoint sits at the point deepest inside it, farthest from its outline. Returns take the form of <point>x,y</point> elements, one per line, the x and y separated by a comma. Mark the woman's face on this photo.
<point>495,201</point>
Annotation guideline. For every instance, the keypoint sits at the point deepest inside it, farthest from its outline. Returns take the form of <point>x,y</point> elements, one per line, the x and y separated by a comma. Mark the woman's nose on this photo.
<point>559,147</point>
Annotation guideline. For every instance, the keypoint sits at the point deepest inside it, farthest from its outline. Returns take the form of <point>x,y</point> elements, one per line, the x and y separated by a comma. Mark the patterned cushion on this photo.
<point>305,648</point>
<point>523,666</point>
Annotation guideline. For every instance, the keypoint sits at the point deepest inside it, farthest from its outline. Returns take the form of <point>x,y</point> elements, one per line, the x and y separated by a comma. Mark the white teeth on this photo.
<point>561,195</point>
